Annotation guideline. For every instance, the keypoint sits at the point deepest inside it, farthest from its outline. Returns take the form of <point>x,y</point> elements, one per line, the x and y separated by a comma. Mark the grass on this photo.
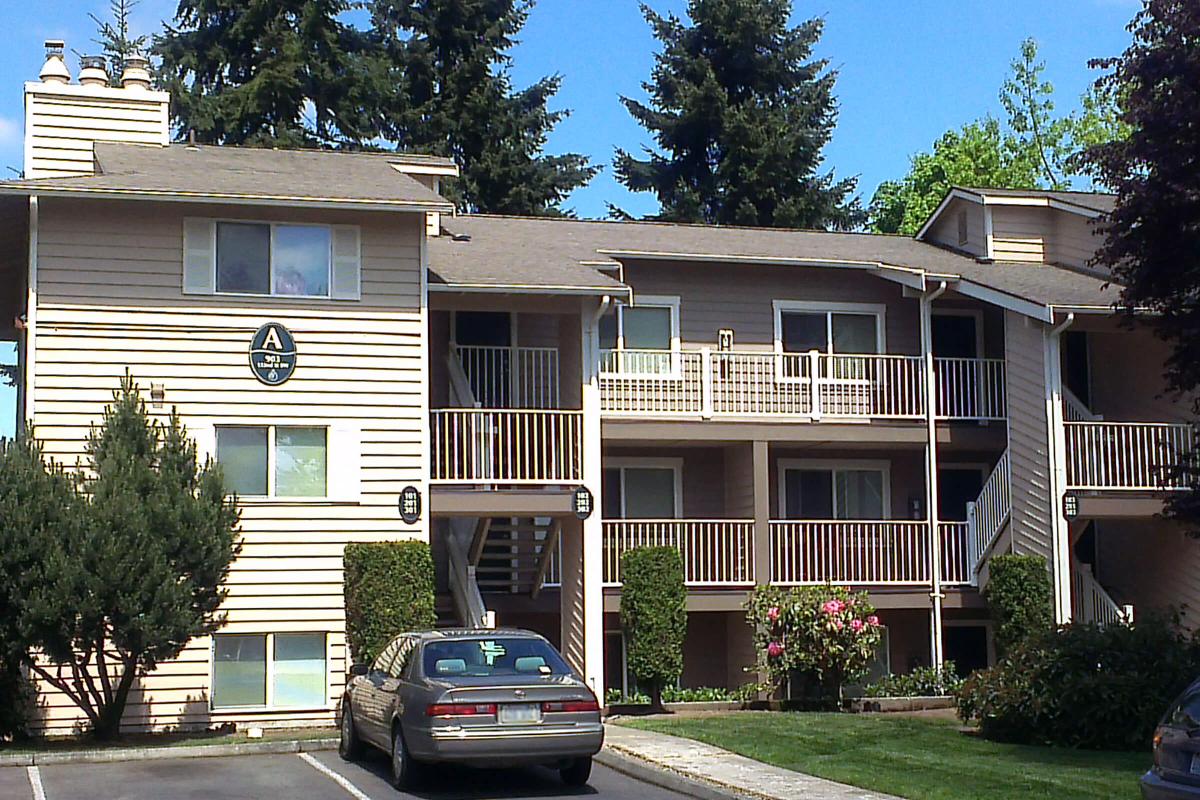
<point>181,739</point>
<point>917,758</point>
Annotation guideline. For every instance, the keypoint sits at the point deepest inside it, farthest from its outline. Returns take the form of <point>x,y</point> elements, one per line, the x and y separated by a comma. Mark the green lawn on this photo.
<point>918,758</point>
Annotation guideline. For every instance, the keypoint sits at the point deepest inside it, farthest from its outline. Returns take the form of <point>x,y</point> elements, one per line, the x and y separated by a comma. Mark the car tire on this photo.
<point>350,747</point>
<point>577,772</point>
<point>403,768</point>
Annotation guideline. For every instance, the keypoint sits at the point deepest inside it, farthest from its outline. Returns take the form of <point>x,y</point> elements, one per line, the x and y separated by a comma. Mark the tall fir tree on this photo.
<point>1152,236</point>
<point>116,39</point>
<point>443,67</point>
<point>740,110</point>
<point>267,72</point>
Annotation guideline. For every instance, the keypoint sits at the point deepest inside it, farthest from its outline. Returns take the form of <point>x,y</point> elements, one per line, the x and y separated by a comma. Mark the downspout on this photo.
<point>1060,536</point>
<point>931,477</point>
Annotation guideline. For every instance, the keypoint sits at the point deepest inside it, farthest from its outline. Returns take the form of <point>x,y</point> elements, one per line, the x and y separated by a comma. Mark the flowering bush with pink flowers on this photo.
<point>827,632</point>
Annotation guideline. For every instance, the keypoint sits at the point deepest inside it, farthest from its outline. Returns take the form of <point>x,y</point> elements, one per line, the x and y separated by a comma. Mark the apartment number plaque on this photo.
<point>583,502</point>
<point>410,505</point>
<point>272,354</point>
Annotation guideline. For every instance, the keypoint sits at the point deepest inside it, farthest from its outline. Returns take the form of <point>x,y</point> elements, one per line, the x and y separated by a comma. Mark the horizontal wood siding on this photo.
<point>110,300</point>
<point>739,296</point>
<point>62,125</point>
<point>1019,233</point>
<point>1073,239</point>
<point>1152,565</point>
<point>944,230</point>
<point>1028,433</point>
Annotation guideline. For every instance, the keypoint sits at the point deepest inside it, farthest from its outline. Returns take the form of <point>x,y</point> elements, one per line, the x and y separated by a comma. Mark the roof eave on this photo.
<point>170,196</point>
<point>494,288</point>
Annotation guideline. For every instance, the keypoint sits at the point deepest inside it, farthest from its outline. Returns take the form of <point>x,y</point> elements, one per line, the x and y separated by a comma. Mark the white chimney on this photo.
<point>64,120</point>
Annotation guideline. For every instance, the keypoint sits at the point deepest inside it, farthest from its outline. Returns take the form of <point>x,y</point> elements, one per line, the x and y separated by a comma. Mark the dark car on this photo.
<point>1176,771</point>
<point>479,697</point>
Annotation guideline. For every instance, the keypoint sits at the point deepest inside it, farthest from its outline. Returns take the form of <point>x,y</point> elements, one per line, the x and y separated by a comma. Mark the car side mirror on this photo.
<point>358,669</point>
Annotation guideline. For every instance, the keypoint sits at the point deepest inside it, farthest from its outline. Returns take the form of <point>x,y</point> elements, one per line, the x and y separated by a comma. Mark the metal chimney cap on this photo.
<point>55,69</point>
<point>94,72</point>
<point>136,74</point>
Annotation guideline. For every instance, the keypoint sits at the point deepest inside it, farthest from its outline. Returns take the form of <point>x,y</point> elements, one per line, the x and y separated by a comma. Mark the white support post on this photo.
<point>1060,536</point>
<point>931,479</point>
<point>814,382</point>
<point>973,542</point>
<point>593,526</point>
<point>706,383</point>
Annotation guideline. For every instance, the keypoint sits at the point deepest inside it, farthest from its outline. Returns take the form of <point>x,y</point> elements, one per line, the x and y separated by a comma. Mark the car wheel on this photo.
<point>577,772</point>
<point>403,769</point>
<point>349,745</point>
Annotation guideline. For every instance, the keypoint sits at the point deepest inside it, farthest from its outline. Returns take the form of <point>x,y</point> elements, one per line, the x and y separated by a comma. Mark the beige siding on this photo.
<point>945,230</point>
<point>1127,375</point>
<point>715,296</point>
<point>1019,233</point>
<point>739,480</point>
<point>1152,565</point>
<point>1073,239</point>
<point>110,300</point>
<point>1028,432</point>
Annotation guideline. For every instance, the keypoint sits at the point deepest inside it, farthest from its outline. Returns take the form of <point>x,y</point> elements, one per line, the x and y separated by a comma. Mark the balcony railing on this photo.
<point>506,446</point>
<point>870,553</point>
<point>1125,455</point>
<point>813,385</point>
<point>716,552</point>
<point>511,377</point>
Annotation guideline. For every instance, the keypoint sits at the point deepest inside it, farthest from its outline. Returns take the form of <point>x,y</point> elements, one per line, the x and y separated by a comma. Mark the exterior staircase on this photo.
<point>514,555</point>
<point>988,516</point>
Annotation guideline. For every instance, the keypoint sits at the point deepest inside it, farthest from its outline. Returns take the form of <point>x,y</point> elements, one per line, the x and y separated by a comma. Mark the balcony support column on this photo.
<point>762,514</point>
<point>593,526</point>
<point>1060,537</point>
<point>931,477</point>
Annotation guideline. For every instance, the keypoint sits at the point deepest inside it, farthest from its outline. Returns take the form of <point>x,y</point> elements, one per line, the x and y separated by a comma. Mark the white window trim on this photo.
<point>834,465</point>
<point>650,462</point>
<point>270,496</point>
<point>672,303</point>
<point>977,313</point>
<point>273,225</point>
<point>878,310</point>
<point>270,674</point>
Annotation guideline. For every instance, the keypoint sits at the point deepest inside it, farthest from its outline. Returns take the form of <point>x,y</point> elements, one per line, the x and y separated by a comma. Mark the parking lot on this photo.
<point>305,776</point>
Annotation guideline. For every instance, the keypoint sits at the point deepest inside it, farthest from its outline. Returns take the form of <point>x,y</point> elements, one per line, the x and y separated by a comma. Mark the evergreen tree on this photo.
<point>1152,236</point>
<point>114,37</point>
<point>267,72</point>
<point>443,71</point>
<point>740,111</point>
<point>114,570</point>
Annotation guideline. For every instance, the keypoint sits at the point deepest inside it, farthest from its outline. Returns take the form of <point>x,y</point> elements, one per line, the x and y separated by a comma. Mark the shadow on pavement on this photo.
<point>455,782</point>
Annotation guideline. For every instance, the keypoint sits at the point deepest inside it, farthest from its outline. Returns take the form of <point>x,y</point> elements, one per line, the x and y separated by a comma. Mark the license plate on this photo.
<point>520,713</point>
<point>1196,763</point>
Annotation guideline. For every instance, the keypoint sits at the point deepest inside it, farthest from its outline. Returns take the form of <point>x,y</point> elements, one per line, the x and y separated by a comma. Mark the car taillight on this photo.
<point>461,710</point>
<point>570,707</point>
<point>1157,747</point>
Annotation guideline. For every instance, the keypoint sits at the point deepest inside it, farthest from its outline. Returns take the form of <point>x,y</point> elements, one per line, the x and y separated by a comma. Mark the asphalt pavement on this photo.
<point>302,776</point>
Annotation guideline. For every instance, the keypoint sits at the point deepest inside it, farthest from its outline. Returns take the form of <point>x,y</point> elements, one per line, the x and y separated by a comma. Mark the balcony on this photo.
<point>715,552</point>
<point>510,446</point>
<point>815,386</point>
<point>1125,456</point>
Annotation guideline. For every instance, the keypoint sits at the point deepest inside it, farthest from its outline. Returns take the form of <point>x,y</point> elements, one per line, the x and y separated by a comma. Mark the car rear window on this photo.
<point>1186,714</point>
<point>498,656</point>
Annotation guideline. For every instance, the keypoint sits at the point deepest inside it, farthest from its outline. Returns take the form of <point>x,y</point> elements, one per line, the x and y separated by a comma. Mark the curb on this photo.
<point>646,771</point>
<point>160,753</point>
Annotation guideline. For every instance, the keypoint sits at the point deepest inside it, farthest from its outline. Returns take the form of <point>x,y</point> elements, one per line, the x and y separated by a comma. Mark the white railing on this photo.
<point>464,589</point>
<point>988,513</point>
<point>970,388</point>
<point>1125,455</point>
<point>958,559</point>
<point>506,446</point>
<point>716,552</point>
<point>813,385</point>
<point>849,552</point>
<point>1075,410</point>
<point>511,377</point>
<point>1090,603</point>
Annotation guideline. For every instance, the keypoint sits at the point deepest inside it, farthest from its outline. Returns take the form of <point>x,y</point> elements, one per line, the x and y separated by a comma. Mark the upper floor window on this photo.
<point>641,336</point>
<point>835,328</point>
<point>271,259</point>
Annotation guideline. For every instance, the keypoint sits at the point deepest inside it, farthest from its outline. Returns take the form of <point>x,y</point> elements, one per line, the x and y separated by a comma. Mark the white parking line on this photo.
<point>354,791</point>
<point>35,783</point>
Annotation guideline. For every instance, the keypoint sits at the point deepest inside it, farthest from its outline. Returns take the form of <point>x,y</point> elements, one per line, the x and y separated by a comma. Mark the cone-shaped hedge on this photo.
<point>654,616</point>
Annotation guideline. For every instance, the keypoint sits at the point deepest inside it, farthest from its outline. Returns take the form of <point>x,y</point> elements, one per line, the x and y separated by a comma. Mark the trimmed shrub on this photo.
<point>16,700</point>
<point>654,617</point>
<point>825,634</point>
<point>1020,598</point>
<point>673,694</point>
<point>389,589</point>
<point>920,682</point>
<point>1084,686</point>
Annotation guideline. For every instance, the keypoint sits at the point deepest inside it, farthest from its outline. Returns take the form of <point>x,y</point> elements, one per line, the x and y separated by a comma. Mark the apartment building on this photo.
<point>535,397</point>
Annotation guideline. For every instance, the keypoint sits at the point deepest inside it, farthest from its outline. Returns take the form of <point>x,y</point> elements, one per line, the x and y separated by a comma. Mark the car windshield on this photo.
<point>486,657</point>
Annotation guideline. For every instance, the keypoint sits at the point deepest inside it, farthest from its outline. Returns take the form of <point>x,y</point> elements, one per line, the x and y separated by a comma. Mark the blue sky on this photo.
<point>908,71</point>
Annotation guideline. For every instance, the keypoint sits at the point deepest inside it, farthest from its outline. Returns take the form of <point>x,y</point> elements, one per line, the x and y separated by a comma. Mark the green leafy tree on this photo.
<point>115,38</point>
<point>1152,236</point>
<point>740,111</point>
<point>443,75</point>
<point>267,72</point>
<point>114,569</point>
<point>654,617</point>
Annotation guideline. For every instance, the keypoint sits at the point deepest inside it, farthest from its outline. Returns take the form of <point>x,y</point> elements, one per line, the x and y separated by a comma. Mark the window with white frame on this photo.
<point>274,460</point>
<point>842,328</point>
<point>849,490</point>
<point>641,337</point>
<point>269,670</point>
<point>642,489</point>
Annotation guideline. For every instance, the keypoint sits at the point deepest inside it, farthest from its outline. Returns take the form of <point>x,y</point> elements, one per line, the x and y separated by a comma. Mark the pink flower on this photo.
<point>857,625</point>
<point>773,613</point>
<point>774,650</point>
<point>873,621</point>
<point>833,606</point>
<point>838,624</point>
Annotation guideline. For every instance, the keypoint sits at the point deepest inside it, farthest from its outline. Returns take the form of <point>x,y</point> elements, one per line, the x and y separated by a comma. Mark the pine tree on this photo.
<point>114,570</point>
<point>740,111</point>
<point>443,68</point>
<point>114,37</point>
<point>267,72</point>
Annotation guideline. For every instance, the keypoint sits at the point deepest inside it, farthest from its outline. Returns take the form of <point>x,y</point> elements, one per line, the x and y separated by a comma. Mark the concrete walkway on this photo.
<point>731,774</point>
